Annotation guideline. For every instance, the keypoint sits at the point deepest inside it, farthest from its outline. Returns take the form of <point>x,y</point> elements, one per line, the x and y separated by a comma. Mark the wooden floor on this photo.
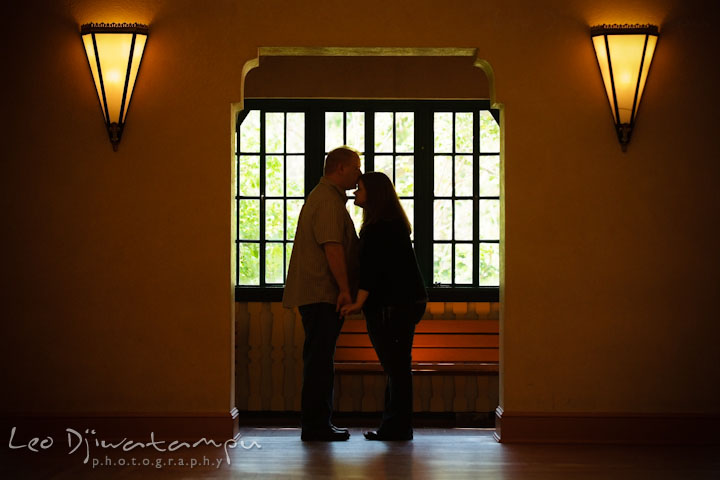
<point>435,453</point>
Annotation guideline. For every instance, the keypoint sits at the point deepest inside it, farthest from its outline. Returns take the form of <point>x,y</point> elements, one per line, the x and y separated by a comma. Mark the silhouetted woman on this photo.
<point>391,295</point>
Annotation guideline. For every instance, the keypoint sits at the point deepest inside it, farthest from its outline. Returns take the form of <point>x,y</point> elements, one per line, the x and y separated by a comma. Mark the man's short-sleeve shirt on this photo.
<point>323,219</point>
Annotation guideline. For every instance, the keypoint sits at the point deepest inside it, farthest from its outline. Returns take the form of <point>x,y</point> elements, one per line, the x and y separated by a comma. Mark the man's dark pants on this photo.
<point>322,326</point>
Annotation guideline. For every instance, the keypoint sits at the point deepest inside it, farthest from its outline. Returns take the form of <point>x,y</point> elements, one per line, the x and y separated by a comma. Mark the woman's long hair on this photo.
<point>381,201</point>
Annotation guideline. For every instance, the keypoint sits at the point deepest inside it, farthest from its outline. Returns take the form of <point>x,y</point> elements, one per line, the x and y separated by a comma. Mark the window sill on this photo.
<point>435,294</point>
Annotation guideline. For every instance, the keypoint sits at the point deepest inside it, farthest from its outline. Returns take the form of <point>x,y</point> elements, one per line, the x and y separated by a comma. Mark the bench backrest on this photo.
<point>436,341</point>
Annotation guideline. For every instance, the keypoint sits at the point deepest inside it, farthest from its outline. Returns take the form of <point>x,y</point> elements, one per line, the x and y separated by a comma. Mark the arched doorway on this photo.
<point>268,338</point>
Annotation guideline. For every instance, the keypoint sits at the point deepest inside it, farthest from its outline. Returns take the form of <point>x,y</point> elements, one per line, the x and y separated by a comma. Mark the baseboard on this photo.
<point>137,426</point>
<point>607,428</point>
<point>371,419</point>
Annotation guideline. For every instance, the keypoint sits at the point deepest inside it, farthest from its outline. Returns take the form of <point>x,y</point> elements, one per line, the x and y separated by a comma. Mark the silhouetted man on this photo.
<point>319,278</point>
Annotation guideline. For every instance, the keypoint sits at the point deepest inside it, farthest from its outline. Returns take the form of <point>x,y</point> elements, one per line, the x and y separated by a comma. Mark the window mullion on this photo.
<point>315,147</point>
<point>393,153</point>
<point>424,171</point>
<point>284,209</point>
<point>476,199</point>
<point>369,141</point>
<point>263,159</point>
<point>452,203</point>
<point>237,197</point>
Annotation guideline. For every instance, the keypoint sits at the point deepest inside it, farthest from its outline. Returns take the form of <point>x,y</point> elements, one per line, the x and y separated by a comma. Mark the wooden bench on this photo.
<point>446,347</point>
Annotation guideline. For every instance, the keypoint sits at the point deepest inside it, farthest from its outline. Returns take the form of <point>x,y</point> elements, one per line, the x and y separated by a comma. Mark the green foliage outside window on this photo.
<point>452,184</point>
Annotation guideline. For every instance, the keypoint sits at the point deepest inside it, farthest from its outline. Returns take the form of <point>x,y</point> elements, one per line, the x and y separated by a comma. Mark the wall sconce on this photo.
<point>624,53</point>
<point>114,53</point>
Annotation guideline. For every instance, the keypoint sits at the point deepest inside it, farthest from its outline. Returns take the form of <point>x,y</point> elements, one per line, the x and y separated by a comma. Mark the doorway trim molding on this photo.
<point>470,53</point>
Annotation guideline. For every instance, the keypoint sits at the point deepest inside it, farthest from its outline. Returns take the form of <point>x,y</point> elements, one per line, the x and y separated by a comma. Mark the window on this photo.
<point>442,156</point>
<point>459,177</point>
<point>271,191</point>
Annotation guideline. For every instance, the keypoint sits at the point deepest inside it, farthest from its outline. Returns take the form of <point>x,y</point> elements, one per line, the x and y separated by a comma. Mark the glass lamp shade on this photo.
<point>624,54</point>
<point>114,52</point>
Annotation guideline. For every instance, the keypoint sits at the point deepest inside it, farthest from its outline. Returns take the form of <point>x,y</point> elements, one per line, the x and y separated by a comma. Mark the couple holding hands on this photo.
<point>328,261</point>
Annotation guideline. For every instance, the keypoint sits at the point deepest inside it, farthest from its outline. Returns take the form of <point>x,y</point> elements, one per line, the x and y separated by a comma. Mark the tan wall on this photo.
<point>116,280</point>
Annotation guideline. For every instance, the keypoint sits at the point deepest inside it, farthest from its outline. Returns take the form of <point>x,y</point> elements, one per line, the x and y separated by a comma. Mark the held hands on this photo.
<point>350,308</point>
<point>343,299</point>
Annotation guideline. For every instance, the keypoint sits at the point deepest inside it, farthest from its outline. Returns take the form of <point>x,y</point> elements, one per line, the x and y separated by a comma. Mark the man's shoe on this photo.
<point>339,429</point>
<point>325,435</point>
<point>391,436</point>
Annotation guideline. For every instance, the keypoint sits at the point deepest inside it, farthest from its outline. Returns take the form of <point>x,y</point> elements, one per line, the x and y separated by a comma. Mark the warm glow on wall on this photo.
<point>624,54</point>
<point>114,53</point>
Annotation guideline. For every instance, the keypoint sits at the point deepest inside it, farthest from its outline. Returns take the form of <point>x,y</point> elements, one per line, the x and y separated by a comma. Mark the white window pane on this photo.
<point>333,130</point>
<point>408,205</point>
<point>296,132</point>
<point>442,220</point>
<point>384,132</point>
<point>250,133</point>
<point>249,176</point>
<point>405,176</point>
<point>288,253</point>
<point>274,217</point>
<point>490,219</point>
<point>355,213</point>
<point>463,263</point>
<point>489,264</point>
<point>490,176</point>
<point>463,219</point>
<point>249,220</point>
<point>442,263</point>
<point>292,215</point>
<point>489,133</point>
<point>295,176</point>
<point>463,176</point>
<point>249,272</point>
<point>355,130</point>
<point>405,132</point>
<point>443,176</point>
<point>274,176</point>
<point>463,132</point>
<point>274,132</point>
<point>442,130</point>
<point>274,263</point>
<point>384,164</point>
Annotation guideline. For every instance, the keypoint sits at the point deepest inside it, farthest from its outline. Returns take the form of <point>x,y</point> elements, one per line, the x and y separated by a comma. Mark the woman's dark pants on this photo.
<point>391,331</point>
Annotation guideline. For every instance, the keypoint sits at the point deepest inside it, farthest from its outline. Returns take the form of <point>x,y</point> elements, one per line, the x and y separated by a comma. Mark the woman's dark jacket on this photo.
<point>388,267</point>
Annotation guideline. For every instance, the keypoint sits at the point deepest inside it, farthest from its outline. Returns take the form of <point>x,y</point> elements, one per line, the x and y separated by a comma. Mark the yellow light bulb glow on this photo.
<point>624,54</point>
<point>114,54</point>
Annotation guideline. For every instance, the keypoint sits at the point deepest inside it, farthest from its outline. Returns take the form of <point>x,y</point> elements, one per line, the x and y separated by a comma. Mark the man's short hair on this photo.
<point>340,156</point>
